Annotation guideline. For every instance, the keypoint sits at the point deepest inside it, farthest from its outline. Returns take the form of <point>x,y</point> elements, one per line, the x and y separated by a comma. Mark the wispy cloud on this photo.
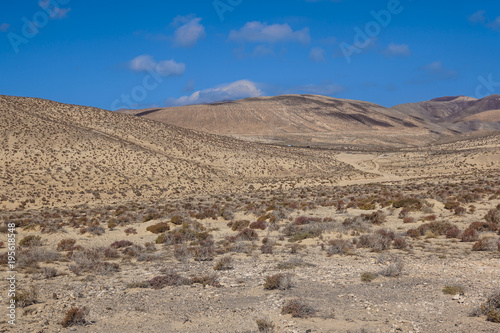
<point>480,17</point>
<point>146,63</point>
<point>235,90</point>
<point>397,50</point>
<point>55,12</point>
<point>435,71</point>
<point>317,54</point>
<point>4,27</point>
<point>188,32</point>
<point>326,88</point>
<point>261,32</point>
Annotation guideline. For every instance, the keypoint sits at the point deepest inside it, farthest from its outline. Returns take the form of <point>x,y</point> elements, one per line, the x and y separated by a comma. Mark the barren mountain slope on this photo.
<point>55,153</point>
<point>457,113</point>
<point>299,119</point>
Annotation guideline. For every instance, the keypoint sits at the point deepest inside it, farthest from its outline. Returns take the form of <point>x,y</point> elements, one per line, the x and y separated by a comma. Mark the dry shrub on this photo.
<point>265,326</point>
<point>177,219</point>
<point>408,219</point>
<point>399,243</point>
<point>491,308</point>
<point>206,250</point>
<point>377,217</point>
<point>469,235</point>
<point>298,309</point>
<point>30,241</point>
<point>169,279</point>
<point>49,272</point>
<point>111,253</point>
<point>278,281</point>
<point>26,297</point>
<point>483,226</point>
<point>246,234</point>
<point>120,244</point>
<point>394,269</point>
<point>431,229</point>
<point>262,225</point>
<point>368,276</point>
<point>75,316</point>
<point>206,280</point>
<point>453,290</point>
<point>224,264</point>
<point>493,216</point>
<point>90,260</point>
<point>158,228</point>
<point>339,246</point>
<point>32,256</point>
<point>453,233</point>
<point>408,203</point>
<point>486,244</point>
<point>181,252</point>
<point>379,241</point>
<point>67,244</point>
<point>301,220</point>
<point>356,223</point>
<point>238,225</point>
<point>130,231</point>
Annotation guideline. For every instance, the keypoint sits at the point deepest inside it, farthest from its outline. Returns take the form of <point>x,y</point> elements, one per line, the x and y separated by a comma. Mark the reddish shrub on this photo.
<point>469,235</point>
<point>248,234</point>
<point>399,243</point>
<point>262,225</point>
<point>431,217</point>
<point>120,244</point>
<point>408,219</point>
<point>453,233</point>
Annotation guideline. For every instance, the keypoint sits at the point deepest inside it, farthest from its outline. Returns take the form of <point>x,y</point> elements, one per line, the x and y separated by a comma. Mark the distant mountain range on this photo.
<point>326,121</point>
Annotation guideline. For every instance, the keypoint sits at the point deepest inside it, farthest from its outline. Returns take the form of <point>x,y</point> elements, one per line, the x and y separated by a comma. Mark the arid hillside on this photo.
<point>461,114</point>
<point>301,120</point>
<point>322,121</point>
<point>54,153</point>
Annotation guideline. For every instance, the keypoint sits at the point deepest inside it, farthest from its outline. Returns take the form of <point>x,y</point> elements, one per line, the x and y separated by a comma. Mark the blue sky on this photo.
<point>117,54</point>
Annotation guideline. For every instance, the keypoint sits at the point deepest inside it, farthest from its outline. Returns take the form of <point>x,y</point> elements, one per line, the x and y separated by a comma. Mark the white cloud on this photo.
<point>188,32</point>
<point>264,33</point>
<point>4,27</point>
<point>236,90</point>
<point>144,63</point>
<point>397,50</point>
<point>317,54</point>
